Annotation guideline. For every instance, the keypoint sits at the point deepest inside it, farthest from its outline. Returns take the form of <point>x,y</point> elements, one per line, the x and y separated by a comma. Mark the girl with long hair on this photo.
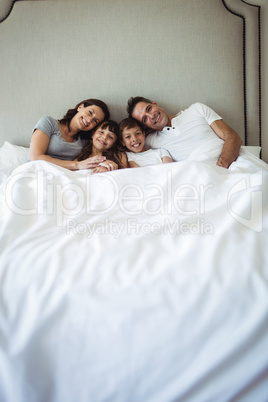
<point>104,142</point>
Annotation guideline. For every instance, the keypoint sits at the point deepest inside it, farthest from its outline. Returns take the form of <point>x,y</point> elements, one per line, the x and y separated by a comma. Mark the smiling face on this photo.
<point>103,139</point>
<point>87,117</point>
<point>151,115</point>
<point>134,139</point>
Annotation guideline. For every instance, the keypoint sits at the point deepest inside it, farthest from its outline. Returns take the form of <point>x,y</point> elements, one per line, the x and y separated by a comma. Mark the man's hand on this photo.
<point>222,163</point>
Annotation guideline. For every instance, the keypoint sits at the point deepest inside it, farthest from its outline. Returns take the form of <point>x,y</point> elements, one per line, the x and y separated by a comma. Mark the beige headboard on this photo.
<point>55,53</point>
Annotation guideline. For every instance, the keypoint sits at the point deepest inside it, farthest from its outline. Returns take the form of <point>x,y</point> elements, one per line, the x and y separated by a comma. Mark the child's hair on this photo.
<point>113,153</point>
<point>130,122</point>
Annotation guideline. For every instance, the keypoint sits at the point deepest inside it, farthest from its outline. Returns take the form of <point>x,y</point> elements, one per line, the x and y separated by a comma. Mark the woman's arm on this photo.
<point>39,146</point>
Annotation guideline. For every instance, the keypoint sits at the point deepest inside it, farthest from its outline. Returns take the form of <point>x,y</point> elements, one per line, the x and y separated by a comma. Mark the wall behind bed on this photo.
<point>55,53</point>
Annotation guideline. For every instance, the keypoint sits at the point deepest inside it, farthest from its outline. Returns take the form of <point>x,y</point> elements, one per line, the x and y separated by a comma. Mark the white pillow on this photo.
<point>11,156</point>
<point>255,150</point>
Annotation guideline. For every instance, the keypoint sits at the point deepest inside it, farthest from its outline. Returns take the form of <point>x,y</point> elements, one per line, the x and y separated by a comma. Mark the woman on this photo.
<point>61,141</point>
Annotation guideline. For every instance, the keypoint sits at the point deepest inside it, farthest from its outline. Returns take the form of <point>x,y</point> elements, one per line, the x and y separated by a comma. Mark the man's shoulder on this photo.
<point>194,108</point>
<point>198,109</point>
<point>153,137</point>
<point>152,134</point>
<point>197,106</point>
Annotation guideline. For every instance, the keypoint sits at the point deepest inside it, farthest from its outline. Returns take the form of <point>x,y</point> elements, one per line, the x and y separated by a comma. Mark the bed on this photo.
<point>147,284</point>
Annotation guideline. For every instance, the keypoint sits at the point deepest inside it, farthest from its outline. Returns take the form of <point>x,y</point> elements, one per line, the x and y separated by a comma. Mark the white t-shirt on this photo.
<point>189,130</point>
<point>149,157</point>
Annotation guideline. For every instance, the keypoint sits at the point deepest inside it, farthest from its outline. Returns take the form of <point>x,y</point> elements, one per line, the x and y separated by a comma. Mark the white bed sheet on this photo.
<point>145,284</point>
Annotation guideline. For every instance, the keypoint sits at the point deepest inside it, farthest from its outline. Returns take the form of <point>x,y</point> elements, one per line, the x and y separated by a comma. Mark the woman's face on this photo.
<point>88,117</point>
<point>103,139</point>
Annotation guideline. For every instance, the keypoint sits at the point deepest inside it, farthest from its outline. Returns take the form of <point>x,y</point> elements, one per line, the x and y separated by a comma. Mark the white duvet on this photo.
<point>143,285</point>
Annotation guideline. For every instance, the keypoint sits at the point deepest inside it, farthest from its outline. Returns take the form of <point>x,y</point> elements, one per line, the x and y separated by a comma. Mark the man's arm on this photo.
<point>232,143</point>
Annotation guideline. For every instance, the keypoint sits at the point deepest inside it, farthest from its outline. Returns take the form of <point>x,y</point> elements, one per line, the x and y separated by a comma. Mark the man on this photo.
<point>190,130</point>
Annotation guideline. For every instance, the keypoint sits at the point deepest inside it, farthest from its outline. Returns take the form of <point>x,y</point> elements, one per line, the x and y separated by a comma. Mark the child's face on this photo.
<point>134,139</point>
<point>103,139</point>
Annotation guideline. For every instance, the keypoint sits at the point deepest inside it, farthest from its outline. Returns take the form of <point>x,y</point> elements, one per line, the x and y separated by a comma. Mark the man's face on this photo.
<point>151,115</point>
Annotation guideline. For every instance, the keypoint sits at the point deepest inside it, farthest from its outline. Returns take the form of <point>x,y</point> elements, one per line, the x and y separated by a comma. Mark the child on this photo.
<point>132,136</point>
<point>104,143</point>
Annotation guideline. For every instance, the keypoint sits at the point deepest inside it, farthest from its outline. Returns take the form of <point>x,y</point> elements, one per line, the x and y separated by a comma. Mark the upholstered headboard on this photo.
<point>55,53</point>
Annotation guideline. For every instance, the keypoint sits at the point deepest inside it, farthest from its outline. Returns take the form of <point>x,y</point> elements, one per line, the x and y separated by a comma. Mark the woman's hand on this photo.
<point>90,163</point>
<point>110,165</point>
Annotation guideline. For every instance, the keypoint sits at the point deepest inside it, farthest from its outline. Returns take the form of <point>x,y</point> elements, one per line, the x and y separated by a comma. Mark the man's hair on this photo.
<point>132,102</point>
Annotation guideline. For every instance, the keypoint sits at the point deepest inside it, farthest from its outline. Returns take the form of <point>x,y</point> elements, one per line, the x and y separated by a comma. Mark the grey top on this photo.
<point>59,148</point>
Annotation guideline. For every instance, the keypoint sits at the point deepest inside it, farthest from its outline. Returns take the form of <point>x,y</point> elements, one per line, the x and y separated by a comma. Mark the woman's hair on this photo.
<point>114,153</point>
<point>88,102</point>
<point>127,123</point>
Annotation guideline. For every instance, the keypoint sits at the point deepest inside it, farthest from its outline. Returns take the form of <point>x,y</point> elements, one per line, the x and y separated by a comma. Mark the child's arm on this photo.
<point>167,159</point>
<point>133,164</point>
<point>165,155</point>
<point>129,164</point>
<point>123,160</point>
<point>100,169</point>
<point>106,166</point>
<point>110,165</point>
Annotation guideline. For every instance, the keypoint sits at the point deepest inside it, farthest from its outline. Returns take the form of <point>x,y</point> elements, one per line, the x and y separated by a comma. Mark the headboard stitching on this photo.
<point>244,64</point>
<point>9,11</point>
<point>244,67</point>
<point>259,43</point>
